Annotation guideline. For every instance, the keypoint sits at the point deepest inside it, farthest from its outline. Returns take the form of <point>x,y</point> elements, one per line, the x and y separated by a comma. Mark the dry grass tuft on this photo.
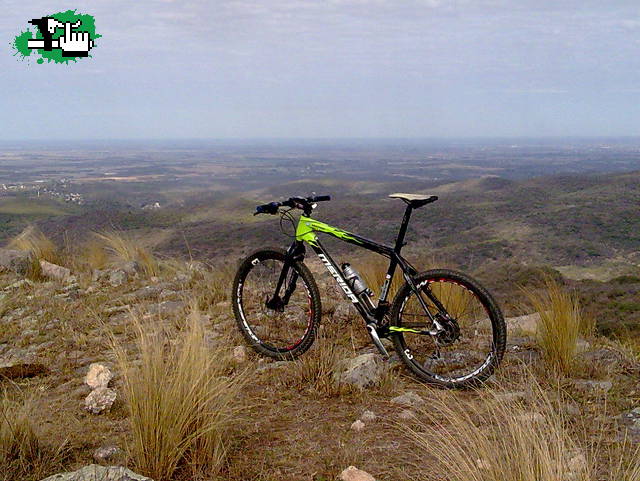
<point>122,247</point>
<point>182,402</point>
<point>41,247</point>
<point>560,325</point>
<point>315,368</point>
<point>497,438</point>
<point>95,255</point>
<point>22,455</point>
<point>33,240</point>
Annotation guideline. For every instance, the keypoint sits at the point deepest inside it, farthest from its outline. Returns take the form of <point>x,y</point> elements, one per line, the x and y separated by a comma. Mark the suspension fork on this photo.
<point>296,252</point>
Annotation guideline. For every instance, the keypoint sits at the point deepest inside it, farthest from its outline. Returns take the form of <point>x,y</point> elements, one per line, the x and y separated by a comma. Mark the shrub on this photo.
<point>122,247</point>
<point>497,438</point>
<point>22,455</point>
<point>181,402</point>
<point>33,240</point>
<point>560,324</point>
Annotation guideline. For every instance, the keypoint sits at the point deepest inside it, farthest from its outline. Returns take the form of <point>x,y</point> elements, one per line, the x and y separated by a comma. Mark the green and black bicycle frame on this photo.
<point>374,316</point>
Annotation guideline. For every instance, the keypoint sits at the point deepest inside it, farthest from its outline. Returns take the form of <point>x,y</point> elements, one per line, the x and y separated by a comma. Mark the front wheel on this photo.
<point>281,324</point>
<point>472,343</point>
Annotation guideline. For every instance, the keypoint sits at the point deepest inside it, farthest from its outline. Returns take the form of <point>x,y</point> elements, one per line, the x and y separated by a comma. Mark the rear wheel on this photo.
<point>282,326</point>
<point>474,337</point>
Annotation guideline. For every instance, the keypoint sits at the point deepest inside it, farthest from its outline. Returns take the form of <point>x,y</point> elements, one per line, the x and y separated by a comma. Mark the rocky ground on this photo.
<point>56,348</point>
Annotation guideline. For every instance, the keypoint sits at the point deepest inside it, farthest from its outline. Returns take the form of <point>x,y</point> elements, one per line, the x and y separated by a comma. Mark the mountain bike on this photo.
<point>445,327</point>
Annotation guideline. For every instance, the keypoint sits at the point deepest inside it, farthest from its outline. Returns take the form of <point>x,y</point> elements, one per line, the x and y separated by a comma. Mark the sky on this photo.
<point>330,69</point>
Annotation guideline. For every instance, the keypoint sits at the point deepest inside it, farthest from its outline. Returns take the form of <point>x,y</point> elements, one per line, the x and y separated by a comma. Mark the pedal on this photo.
<point>376,341</point>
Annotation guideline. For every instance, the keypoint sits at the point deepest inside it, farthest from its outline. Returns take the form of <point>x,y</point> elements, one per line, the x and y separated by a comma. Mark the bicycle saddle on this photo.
<point>415,200</point>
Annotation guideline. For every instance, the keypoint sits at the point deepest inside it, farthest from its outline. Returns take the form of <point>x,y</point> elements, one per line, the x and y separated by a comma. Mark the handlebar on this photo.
<point>303,203</point>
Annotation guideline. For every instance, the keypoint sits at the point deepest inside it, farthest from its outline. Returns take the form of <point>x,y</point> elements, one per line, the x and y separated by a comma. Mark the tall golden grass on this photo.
<point>560,324</point>
<point>33,240</point>
<point>495,436</point>
<point>499,439</point>
<point>123,247</point>
<point>22,454</point>
<point>373,270</point>
<point>181,400</point>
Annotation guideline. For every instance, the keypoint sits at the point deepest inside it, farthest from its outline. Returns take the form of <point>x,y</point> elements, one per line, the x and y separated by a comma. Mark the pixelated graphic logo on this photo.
<point>59,37</point>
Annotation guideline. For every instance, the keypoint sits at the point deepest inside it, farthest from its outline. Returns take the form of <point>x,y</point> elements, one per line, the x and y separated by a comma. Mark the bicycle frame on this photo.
<point>306,232</point>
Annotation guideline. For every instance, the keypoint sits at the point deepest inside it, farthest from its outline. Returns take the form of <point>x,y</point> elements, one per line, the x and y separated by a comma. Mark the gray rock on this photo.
<point>145,293</point>
<point>593,387</point>
<point>354,474</point>
<point>54,271</point>
<point>602,356</point>
<point>15,261</point>
<point>362,371</point>
<point>368,416</point>
<point>167,308</point>
<point>240,354</point>
<point>271,366</point>
<point>106,453</point>
<point>99,400</point>
<point>343,311</point>
<point>19,284</point>
<point>117,277</point>
<point>100,275</point>
<point>132,268</point>
<point>182,278</point>
<point>16,363</point>
<point>357,426</point>
<point>117,309</point>
<point>523,324</point>
<point>631,420</point>
<point>94,472</point>
<point>197,266</point>
<point>408,399</point>
<point>98,375</point>
<point>169,294</point>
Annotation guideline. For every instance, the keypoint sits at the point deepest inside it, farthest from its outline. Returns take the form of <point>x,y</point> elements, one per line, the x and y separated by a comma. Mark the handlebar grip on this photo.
<point>270,208</point>
<point>321,198</point>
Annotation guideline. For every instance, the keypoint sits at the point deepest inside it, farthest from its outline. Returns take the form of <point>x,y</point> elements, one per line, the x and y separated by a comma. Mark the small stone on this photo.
<point>15,260</point>
<point>357,426</point>
<point>19,284</point>
<point>483,464</point>
<point>527,324</point>
<point>94,472</point>
<point>130,267</point>
<point>99,400</point>
<point>106,453</point>
<point>409,399</point>
<point>117,309</point>
<point>239,354</point>
<point>54,271</point>
<point>593,387</point>
<point>368,416</point>
<point>354,474</point>
<point>98,375</point>
<point>118,277</point>
<point>361,371</point>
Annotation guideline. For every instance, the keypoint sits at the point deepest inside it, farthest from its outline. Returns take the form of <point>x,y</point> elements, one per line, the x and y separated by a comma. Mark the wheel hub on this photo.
<point>450,332</point>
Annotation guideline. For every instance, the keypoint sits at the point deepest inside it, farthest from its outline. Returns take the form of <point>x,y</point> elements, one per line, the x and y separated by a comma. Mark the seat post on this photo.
<point>403,228</point>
